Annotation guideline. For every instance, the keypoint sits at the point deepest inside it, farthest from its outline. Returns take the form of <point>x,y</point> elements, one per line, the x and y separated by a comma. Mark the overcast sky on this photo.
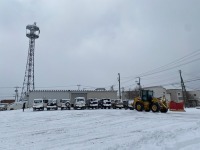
<point>88,42</point>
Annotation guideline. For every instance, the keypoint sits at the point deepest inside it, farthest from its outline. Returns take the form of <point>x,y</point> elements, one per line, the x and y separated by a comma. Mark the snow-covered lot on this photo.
<point>99,129</point>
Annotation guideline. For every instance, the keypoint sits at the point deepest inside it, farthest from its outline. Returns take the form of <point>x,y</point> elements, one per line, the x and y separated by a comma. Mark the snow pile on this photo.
<point>99,129</point>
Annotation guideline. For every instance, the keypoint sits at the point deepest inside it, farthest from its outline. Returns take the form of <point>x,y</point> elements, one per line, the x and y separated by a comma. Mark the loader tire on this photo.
<point>139,107</point>
<point>164,110</point>
<point>155,107</point>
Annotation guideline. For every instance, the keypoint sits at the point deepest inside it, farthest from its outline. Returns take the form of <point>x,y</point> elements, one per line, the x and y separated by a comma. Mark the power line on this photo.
<point>171,67</point>
<point>173,62</point>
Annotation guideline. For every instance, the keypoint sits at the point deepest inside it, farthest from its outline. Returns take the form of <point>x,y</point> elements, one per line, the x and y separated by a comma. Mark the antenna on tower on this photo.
<point>32,32</point>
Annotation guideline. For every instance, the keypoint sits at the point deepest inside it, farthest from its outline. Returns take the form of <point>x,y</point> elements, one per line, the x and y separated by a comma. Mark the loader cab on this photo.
<point>146,95</point>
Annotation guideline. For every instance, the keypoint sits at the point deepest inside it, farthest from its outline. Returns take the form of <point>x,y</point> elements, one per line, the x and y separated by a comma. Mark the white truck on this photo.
<point>52,104</point>
<point>38,104</point>
<point>65,104</point>
<point>79,103</point>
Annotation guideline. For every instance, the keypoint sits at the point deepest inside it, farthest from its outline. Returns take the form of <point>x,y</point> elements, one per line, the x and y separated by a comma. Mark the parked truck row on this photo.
<point>81,103</point>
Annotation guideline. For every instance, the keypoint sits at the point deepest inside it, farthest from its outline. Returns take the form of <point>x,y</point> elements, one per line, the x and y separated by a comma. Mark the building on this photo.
<point>70,94</point>
<point>159,92</point>
<point>9,101</point>
<point>176,95</point>
<point>192,100</point>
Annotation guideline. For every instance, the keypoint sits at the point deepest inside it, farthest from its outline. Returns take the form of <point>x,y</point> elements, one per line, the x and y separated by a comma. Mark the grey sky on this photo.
<point>88,42</point>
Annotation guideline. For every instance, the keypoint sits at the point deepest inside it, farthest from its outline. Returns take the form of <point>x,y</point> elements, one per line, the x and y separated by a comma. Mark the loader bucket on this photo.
<point>175,106</point>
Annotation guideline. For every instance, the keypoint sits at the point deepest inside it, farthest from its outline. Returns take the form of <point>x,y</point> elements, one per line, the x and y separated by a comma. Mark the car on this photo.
<point>52,104</point>
<point>118,103</point>
<point>128,104</point>
<point>80,103</point>
<point>105,103</point>
<point>65,104</point>
<point>3,106</point>
<point>38,104</point>
<point>92,103</point>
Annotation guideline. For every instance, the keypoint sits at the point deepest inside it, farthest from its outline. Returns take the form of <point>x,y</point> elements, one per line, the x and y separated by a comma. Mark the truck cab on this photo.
<point>92,103</point>
<point>65,104</point>
<point>105,103</point>
<point>52,104</point>
<point>118,103</point>
<point>38,104</point>
<point>80,103</point>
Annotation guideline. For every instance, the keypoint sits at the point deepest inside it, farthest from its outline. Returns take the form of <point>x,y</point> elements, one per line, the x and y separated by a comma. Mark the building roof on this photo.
<point>74,91</point>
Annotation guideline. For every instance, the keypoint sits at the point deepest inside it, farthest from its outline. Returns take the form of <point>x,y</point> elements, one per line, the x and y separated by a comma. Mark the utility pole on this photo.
<point>119,86</point>
<point>112,88</point>
<point>78,86</point>
<point>139,85</point>
<point>16,93</point>
<point>183,89</point>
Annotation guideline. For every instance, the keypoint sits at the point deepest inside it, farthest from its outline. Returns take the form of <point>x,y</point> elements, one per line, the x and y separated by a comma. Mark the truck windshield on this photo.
<point>80,100</point>
<point>64,101</point>
<point>2,105</point>
<point>37,101</point>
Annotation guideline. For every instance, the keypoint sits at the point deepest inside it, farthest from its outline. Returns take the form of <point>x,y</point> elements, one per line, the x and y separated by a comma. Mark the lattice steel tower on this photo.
<point>32,32</point>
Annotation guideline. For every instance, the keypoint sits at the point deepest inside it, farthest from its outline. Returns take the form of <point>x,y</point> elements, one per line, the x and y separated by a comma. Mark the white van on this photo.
<point>38,104</point>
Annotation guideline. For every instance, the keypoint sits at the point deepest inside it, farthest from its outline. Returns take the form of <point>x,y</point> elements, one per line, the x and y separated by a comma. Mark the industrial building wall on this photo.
<point>48,94</point>
<point>77,94</point>
<point>102,94</point>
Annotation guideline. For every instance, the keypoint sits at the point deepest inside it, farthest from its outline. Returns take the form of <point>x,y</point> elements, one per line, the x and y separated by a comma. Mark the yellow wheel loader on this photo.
<point>147,102</point>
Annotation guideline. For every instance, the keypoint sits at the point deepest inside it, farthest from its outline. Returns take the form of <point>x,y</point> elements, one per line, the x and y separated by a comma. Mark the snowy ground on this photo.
<point>99,129</point>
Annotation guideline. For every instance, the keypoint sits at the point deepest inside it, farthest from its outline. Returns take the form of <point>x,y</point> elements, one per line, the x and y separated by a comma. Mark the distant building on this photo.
<point>159,92</point>
<point>9,101</point>
<point>70,94</point>
<point>176,95</point>
<point>193,97</point>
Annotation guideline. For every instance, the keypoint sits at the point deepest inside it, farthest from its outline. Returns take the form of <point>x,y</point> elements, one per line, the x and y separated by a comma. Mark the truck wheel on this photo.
<point>108,107</point>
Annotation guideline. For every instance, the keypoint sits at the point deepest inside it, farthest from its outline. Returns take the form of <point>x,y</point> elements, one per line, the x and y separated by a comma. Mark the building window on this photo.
<point>179,94</point>
<point>195,95</point>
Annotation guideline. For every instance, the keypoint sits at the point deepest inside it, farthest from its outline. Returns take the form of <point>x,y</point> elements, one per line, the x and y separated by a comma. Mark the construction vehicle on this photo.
<point>147,102</point>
